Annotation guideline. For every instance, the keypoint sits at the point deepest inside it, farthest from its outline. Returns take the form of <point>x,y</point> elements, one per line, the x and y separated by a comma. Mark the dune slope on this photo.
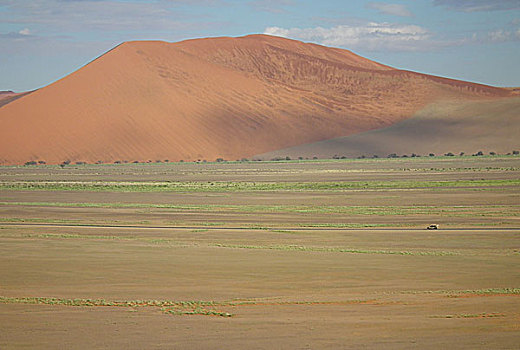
<point>440,128</point>
<point>211,98</point>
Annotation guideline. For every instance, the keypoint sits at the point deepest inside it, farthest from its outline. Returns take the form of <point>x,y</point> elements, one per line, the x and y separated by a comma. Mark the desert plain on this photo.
<point>310,254</point>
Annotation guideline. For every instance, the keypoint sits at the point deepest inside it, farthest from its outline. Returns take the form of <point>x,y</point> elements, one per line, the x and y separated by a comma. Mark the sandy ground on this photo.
<point>285,286</point>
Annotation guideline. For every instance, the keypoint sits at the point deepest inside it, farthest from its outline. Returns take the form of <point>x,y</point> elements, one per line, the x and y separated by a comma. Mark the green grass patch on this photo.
<point>446,211</point>
<point>297,248</point>
<point>300,248</point>
<point>455,293</point>
<point>167,306</point>
<point>228,186</point>
<point>40,220</point>
<point>196,311</point>
<point>481,315</point>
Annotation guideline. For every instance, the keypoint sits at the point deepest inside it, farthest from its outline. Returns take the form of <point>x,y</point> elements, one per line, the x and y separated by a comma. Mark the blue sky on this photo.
<point>475,40</point>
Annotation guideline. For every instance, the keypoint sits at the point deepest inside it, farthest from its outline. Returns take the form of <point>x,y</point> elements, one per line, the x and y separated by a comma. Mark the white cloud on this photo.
<point>390,9</point>
<point>499,35</point>
<point>107,16</point>
<point>25,31</point>
<point>371,36</point>
<point>495,36</point>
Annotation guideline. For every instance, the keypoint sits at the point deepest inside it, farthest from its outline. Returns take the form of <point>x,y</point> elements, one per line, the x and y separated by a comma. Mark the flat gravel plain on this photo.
<point>322,254</point>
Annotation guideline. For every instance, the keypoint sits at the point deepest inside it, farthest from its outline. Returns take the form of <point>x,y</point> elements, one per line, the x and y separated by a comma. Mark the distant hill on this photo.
<point>9,96</point>
<point>225,98</point>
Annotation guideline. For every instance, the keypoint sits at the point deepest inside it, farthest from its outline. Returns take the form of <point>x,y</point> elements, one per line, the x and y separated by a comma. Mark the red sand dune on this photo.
<point>210,98</point>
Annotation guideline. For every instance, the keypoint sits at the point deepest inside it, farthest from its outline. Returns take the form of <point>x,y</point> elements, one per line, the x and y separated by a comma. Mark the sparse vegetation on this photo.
<point>257,240</point>
<point>225,186</point>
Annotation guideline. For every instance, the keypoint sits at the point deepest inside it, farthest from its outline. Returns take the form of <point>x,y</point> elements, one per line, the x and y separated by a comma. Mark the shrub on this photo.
<point>220,160</point>
<point>31,162</point>
<point>314,157</point>
<point>41,162</point>
<point>516,152</point>
<point>393,155</point>
<point>432,154</point>
<point>479,153</point>
<point>287,158</point>
<point>449,154</point>
<point>492,153</point>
